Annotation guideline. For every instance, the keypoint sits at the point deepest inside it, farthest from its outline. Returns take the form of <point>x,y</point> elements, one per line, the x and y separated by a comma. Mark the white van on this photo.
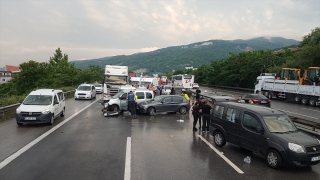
<point>41,106</point>
<point>85,91</point>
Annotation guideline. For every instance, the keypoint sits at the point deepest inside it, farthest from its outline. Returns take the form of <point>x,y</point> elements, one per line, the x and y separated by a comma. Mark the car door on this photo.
<point>165,105</point>
<point>61,100</point>
<point>176,102</point>
<point>94,91</point>
<point>124,102</point>
<point>250,138</point>
<point>231,123</point>
<point>56,105</point>
<point>141,96</point>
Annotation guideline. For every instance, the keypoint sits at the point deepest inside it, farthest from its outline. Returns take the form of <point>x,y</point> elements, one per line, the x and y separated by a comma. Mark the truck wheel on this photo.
<point>270,95</point>
<point>151,111</point>
<point>312,101</point>
<point>115,108</point>
<point>297,98</point>
<point>304,100</point>
<point>274,159</point>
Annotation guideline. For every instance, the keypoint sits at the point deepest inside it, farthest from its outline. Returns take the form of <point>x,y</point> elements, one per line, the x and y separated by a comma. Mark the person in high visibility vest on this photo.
<point>185,95</point>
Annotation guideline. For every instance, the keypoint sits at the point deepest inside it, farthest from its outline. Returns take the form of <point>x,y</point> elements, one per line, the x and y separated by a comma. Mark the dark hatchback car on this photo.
<point>257,99</point>
<point>265,131</point>
<point>165,103</point>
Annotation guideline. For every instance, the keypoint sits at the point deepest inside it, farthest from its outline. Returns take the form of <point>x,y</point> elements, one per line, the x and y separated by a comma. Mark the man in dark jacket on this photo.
<point>195,114</point>
<point>198,91</point>
<point>201,103</point>
<point>205,110</point>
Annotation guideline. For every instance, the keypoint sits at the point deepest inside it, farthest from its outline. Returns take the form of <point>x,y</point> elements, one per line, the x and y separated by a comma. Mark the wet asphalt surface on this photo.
<point>91,146</point>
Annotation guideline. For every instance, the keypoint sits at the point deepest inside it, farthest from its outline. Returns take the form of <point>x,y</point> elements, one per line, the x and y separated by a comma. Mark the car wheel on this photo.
<point>91,96</point>
<point>62,113</point>
<point>19,124</point>
<point>52,120</point>
<point>274,159</point>
<point>304,100</point>
<point>313,101</point>
<point>219,139</point>
<point>75,99</point>
<point>151,111</point>
<point>183,110</point>
<point>115,108</point>
<point>297,98</point>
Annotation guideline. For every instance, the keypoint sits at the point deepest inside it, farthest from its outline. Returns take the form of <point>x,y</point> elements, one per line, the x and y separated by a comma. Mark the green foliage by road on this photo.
<point>241,70</point>
<point>57,73</point>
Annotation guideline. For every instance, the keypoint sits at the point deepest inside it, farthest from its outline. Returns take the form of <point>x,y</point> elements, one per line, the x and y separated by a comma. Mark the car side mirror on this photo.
<point>260,130</point>
<point>56,102</point>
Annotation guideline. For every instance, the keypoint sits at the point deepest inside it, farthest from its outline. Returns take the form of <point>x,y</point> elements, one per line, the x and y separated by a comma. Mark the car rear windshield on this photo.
<point>97,85</point>
<point>279,123</point>
<point>38,100</point>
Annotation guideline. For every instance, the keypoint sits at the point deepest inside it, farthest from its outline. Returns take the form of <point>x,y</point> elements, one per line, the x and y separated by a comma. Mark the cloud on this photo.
<point>84,29</point>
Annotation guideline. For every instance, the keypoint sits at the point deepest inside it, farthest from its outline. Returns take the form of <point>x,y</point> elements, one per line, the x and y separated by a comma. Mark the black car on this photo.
<point>165,103</point>
<point>265,131</point>
<point>257,99</point>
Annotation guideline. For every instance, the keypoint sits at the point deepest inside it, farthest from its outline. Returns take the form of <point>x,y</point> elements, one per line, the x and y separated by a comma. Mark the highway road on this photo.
<point>86,145</point>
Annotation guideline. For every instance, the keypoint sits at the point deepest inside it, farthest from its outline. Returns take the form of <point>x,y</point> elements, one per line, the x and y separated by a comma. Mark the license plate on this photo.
<point>81,96</point>
<point>263,101</point>
<point>317,158</point>
<point>30,118</point>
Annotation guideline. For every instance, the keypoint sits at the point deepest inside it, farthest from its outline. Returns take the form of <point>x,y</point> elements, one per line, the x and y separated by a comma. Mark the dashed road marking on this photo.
<point>127,170</point>
<point>311,109</point>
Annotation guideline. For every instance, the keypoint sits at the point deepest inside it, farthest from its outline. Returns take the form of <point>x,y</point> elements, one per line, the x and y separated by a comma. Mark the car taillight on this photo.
<point>269,101</point>
<point>256,101</point>
<point>188,102</point>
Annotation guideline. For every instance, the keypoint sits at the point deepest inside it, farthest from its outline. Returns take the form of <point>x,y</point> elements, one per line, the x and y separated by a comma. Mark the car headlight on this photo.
<point>88,93</point>
<point>18,111</point>
<point>47,111</point>
<point>318,141</point>
<point>296,148</point>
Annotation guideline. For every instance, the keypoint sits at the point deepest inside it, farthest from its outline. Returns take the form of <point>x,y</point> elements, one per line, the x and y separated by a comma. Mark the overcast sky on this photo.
<point>85,29</point>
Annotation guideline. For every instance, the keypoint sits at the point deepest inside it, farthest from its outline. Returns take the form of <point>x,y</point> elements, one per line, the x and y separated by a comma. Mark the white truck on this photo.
<point>116,79</point>
<point>183,80</point>
<point>267,85</point>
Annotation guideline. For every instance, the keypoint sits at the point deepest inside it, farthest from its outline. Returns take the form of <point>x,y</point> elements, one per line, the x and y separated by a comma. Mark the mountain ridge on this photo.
<point>193,54</point>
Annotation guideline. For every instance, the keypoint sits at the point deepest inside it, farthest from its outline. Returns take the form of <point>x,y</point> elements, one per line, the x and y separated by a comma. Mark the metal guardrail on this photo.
<point>231,88</point>
<point>7,110</point>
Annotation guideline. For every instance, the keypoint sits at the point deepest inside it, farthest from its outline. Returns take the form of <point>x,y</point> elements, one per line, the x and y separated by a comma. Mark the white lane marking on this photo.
<point>310,109</point>
<point>127,170</point>
<point>298,114</point>
<point>222,156</point>
<point>32,143</point>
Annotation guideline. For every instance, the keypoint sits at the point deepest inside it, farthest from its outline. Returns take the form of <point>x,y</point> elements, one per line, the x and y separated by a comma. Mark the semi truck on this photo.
<point>268,85</point>
<point>116,79</point>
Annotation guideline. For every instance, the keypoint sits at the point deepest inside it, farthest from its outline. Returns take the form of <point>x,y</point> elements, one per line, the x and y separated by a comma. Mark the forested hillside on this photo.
<point>241,70</point>
<point>196,54</point>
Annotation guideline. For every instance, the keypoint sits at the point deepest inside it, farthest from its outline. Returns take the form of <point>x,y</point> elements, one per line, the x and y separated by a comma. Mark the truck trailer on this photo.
<point>267,85</point>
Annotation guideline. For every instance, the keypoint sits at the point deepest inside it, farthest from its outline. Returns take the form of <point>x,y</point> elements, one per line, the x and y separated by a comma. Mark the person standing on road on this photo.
<point>132,104</point>
<point>201,103</point>
<point>195,114</point>
<point>205,109</point>
<point>198,91</point>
